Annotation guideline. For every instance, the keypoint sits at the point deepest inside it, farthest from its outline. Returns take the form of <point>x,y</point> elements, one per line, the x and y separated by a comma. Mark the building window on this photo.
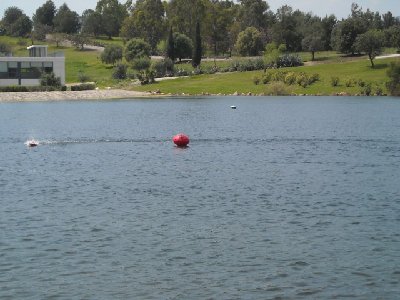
<point>48,67</point>
<point>12,69</point>
<point>24,69</point>
<point>31,70</point>
<point>3,70</point>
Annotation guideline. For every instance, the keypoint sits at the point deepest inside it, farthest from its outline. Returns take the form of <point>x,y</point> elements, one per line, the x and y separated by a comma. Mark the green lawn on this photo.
<point>228,83</point>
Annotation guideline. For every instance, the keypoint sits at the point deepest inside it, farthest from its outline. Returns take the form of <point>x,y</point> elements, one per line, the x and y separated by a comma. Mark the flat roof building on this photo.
<point>28,70</point>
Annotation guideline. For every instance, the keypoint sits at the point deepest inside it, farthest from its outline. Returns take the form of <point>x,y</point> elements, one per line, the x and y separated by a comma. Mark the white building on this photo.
<point>28,70</point>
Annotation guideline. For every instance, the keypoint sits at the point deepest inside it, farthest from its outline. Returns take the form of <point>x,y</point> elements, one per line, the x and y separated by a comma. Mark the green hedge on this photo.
<point>19,88</point>
<point>83,87</point>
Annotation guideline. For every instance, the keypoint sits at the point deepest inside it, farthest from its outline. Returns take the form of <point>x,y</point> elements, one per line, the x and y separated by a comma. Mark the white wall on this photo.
<point>58,69</point>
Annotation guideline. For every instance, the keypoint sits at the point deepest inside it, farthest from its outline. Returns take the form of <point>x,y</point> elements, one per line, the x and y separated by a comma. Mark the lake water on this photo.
<point>282,198</point>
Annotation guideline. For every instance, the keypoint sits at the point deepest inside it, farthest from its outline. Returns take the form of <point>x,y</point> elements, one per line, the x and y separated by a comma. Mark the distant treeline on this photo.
<point>226,26</point>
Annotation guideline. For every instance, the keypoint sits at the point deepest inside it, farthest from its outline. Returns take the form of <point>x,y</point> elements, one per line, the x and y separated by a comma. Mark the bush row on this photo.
<point>83,87</point>
<point>165,68</point>
<point>365,87</point>
<point>18,88</point>
<point>289,78</point>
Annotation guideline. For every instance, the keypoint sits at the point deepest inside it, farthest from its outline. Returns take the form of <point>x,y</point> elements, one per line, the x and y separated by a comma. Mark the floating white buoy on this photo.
<point>233,106</point>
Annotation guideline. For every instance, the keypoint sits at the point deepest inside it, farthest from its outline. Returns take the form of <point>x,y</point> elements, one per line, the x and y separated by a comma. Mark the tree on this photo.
<point>146,22</point>
<point>137,48</point>
<point>183,46</point>
<point>44,15</point>
<point>344,35</point>
<point>57,38</point>
<point>327,23</point>
<point>394,75</point>
<point>393,36</point>
<point>66,21</point>
<point>249,42</point>
<point>16,23</point>
<point>313,40</point>
<point>11,14</point>
<point>79,40</point>
<point>253,13</point>
<point>184,14</point>
<point>170,46</point>
<point>197,48</point>
<point>22,27</point>
<point>388,20</point>
<point>371,43</point>
<point>91,23</point>
<point>112,15</point>
<point>219,19</point>
<point>312,43</point>
<point>111,54</point>
<point>272,54</point>
<point>286,30</point>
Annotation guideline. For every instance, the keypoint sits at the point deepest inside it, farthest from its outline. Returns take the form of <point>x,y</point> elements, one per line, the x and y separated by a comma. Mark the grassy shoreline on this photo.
<point>242,82</point>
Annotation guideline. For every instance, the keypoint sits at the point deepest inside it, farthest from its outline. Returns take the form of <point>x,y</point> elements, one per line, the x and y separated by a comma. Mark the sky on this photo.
<point>340,8</point>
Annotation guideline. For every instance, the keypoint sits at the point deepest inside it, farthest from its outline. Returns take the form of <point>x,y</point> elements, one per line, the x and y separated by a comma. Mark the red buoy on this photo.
<point>181,140</point>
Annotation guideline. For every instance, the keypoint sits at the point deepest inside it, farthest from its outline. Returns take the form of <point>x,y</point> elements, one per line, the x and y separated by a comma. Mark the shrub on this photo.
<point>146,77</point>
<point>393,85</point>
<point>278,89</point>
<point>197,71</point>
<point>303,80</point>
<point>137,48</point>
<point>49,79</point>
<point>278,76</point>
<point>256,80</point>
<point>349,82</point>
<point>181,72</point>
<point>141,63</point>
<point>119,71</point>
<point>289,60</point>
<point>266,78</point>
<point>19,88</point>
<point>366,90</point>
<point>211,70</point>
<point>162,67</point>
<point>111,54</point>
<point>83,87</point>
<point>5,49</point>
<point>290,78</point>
<point>82,77</point>
<point>315,77</point>
<point>379,91</point>
<point>335,81</point>
<point>233,67</point>
<point>258,63</point>
<point>361,83</point>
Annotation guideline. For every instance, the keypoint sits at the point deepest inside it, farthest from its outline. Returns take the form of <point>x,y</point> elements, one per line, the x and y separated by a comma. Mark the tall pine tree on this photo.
<point>170,46</point>
<point>197,47</point>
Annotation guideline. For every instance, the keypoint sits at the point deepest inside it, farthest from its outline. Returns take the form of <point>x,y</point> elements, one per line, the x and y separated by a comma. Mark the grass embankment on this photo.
<point>242,82</point>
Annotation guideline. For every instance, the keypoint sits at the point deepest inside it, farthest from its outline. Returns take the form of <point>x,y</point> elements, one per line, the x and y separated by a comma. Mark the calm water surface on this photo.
<point>283,198</point>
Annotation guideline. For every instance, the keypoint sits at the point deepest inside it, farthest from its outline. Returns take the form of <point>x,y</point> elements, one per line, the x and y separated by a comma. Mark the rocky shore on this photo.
<point>72,95</point>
